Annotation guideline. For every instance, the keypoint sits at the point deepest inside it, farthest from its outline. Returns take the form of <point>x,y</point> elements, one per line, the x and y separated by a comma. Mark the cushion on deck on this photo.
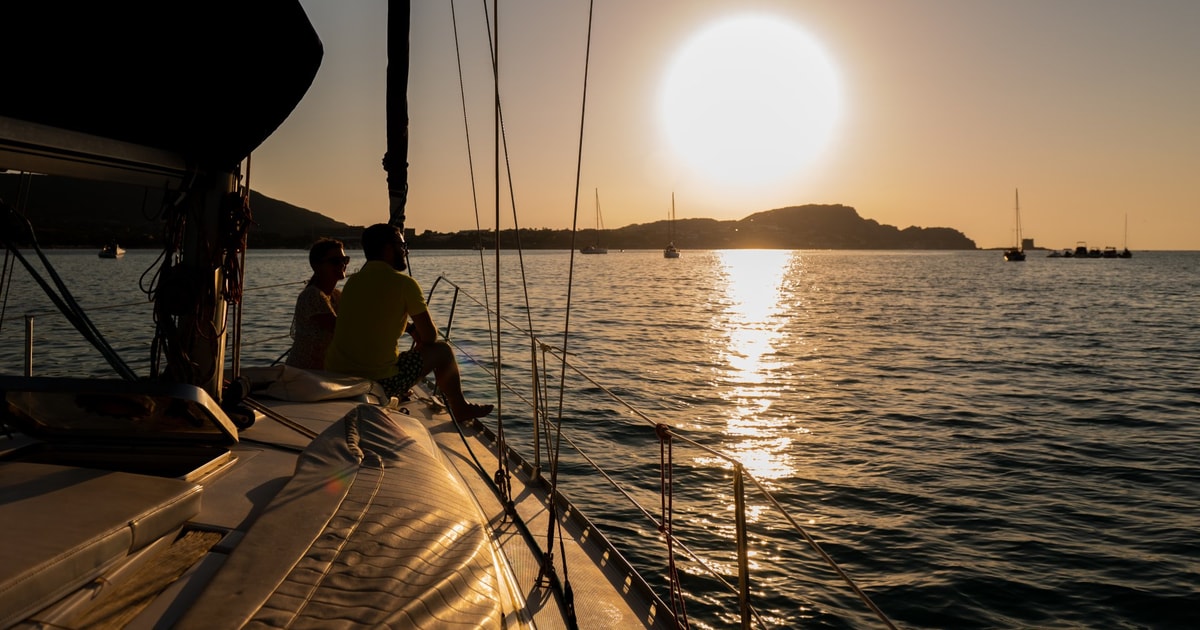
<point>285,382</point>
<point>63,526</point>
<point>372,531</point>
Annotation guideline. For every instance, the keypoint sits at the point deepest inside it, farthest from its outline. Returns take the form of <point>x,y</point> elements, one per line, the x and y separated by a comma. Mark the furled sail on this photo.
<point>395,159</point>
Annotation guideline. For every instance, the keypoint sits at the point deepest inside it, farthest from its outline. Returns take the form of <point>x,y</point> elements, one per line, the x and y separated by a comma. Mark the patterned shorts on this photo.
<point>409,364</point>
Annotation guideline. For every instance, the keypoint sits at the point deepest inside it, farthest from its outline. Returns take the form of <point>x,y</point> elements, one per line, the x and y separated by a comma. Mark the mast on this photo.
<point>395,157</point>
<point>195,343</point>
<point>1125,253</point>
<point>671,223</point>
<point>1017,196</point>
<point>599,221</point>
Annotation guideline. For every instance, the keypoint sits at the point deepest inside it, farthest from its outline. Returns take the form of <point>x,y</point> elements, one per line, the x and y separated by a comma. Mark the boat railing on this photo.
<point>31,317</point>
<point>665,436</point>
<point>236,344</point>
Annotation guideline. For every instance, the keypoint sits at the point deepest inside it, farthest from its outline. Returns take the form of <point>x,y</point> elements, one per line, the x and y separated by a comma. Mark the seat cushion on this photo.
<point>62,526</point>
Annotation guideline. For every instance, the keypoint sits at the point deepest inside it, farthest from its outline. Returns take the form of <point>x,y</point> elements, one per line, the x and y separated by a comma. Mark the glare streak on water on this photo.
<point>978,443</point>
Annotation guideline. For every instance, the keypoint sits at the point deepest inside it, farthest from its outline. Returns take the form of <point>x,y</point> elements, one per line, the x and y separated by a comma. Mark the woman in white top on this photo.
<point>316,306</point>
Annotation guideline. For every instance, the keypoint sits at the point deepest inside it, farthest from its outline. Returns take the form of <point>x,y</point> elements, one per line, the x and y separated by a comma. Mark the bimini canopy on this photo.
<point>149,89</point>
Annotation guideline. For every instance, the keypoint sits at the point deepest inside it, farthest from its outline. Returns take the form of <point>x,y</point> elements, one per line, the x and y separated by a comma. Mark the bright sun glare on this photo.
<point>754,283</point>
<point>750,100</point>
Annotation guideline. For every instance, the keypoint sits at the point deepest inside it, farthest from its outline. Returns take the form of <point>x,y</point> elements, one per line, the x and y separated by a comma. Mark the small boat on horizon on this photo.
<point>1081,250</point>
<point>112,250</point>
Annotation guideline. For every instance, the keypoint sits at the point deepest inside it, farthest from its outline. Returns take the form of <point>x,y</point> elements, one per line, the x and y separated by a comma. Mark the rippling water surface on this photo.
<point>976,443</point>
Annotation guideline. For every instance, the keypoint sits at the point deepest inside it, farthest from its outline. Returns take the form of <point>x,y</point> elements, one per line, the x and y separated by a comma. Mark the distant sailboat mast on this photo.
<point>1019,246</point>
<point>1017,252</point>
<point>671,223</point>
<point>596,248</point>
<point>1125,253</point>
<point>670,251</point>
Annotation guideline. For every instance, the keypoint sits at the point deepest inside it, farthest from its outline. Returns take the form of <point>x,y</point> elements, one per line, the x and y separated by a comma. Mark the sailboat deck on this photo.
<point>115,514</point>
<point>600,584</point>
<point>340,509</point>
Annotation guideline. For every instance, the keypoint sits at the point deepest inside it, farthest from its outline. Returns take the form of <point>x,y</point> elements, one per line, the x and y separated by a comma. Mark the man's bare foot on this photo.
<point>470,411</point>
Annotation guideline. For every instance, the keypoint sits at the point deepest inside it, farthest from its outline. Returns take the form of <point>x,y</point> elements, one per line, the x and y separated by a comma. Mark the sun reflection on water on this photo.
<point>753,315</point>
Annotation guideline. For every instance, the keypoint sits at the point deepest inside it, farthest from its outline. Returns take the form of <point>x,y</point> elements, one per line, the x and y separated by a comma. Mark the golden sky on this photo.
<point>915,112</point>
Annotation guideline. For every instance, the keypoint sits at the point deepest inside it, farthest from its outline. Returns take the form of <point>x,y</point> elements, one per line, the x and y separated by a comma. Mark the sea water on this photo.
<point>976,443</point>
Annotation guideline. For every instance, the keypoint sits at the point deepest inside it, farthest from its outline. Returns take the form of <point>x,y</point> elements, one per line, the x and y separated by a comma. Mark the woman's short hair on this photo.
<point>321,248</point>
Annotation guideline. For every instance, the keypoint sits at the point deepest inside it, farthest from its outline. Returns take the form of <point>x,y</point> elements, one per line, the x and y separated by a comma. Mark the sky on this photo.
<point>928,113</point>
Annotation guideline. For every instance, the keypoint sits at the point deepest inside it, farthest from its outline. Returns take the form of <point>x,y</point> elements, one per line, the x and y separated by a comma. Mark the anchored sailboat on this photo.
<point>1017,252</point>
<point>595,247</point>
<point>112,250</point>
<point>1125,253</point>
<point>670,251</point>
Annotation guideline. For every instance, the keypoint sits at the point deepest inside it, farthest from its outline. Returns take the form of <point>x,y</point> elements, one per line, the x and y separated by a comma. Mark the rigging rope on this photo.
<point>165,288</point>
<point>554,450</point>
<point>462,91</point>
<point>6,284</point>
<point>185,293</point>
<point>503,475</point>
<point>235,220</point>
<point>502,145</point>
<point>24,182</point>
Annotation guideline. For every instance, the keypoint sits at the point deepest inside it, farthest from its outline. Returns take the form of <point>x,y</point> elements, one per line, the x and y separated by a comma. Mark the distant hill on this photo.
<point>838,227</point>
<point>794,227</point>
<point>67,212</point>
<point>75,213</point>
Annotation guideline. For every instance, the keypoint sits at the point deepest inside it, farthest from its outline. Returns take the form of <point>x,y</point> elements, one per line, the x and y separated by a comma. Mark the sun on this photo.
<point>750,100</point>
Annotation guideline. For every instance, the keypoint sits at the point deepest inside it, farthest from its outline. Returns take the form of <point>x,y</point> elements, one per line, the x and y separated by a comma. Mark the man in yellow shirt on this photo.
<point>376,305</point>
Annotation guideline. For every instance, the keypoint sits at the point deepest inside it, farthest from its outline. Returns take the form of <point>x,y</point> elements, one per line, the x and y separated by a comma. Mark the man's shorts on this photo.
<point>409,365</point>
